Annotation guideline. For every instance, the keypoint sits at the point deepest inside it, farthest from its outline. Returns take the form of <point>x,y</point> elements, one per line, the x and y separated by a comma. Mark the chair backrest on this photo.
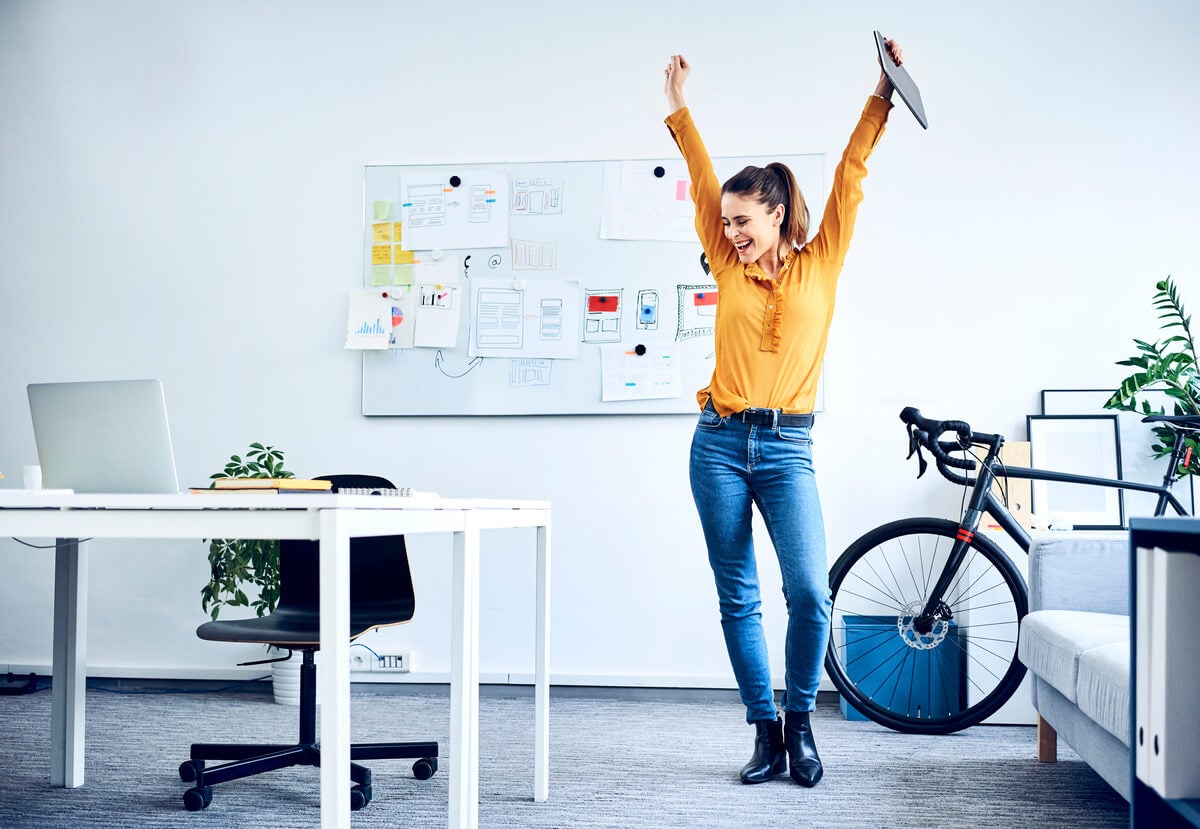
<point>381,587</point>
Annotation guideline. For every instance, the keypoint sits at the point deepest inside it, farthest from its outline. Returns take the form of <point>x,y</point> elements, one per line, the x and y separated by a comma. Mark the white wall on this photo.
<point>180,187</point>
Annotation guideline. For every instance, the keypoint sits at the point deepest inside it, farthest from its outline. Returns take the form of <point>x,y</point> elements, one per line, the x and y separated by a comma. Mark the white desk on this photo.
<point>332,520</point>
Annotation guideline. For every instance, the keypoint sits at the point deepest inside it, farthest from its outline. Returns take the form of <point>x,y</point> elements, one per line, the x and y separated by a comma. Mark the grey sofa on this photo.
<point>1075,642</point>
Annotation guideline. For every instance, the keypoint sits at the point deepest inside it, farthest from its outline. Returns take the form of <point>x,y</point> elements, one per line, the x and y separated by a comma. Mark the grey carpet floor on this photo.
<point>614,763</point>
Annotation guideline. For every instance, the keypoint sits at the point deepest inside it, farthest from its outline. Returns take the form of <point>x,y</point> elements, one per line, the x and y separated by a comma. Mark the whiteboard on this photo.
<point>564,261</point>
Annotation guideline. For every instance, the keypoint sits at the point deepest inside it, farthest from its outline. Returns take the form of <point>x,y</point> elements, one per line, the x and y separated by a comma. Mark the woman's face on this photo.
<point>750,226</point>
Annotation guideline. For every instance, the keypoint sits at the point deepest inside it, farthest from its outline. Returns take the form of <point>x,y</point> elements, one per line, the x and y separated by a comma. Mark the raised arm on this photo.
<point>705,189</point>
<point>841,211</point>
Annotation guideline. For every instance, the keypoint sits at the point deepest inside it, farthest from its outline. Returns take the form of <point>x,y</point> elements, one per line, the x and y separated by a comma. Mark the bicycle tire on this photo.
<point>969,668</point>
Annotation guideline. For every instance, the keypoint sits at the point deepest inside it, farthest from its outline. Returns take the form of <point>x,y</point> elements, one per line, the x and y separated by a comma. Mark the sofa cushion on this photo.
<point>1051,642</point>
<point>1103,687</point>
<point>1080,571</point>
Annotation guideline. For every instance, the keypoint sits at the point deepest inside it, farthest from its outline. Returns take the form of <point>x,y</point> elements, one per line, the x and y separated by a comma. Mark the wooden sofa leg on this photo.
<point>1047,739</point>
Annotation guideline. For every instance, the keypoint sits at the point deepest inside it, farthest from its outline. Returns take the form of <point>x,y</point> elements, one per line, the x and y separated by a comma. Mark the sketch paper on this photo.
<point>628,375</point>
<point>524,317</point>
<point>640,205</point>
<point>438,216</point>
<point>403,304</point>
<point>438,310</point>
<point>368,321</point>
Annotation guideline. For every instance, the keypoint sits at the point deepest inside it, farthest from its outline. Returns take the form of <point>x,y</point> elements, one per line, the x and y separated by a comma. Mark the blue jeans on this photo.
<point>732,465</point>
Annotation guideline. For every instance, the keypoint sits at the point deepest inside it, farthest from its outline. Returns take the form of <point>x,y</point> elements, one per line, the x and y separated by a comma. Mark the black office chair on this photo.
<point>381,593</point>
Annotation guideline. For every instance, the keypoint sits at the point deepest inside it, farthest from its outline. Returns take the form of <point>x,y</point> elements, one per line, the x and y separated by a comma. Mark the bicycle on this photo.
<point>926,611</point>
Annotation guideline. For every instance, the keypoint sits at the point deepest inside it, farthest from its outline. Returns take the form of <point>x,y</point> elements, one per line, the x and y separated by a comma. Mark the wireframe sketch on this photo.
<point>483,196</point>
<point>602,316</point>
<point>529,372</point>
<point>528,255</point>
<point>647,310</point>
<point>498,318</point>
<point>697,311</point>
<point>551,319</point>
<point>536,196</point>
<point>426,205</point>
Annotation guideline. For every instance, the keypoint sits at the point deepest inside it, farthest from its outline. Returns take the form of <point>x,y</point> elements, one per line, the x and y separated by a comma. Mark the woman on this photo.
<point>752,443</point>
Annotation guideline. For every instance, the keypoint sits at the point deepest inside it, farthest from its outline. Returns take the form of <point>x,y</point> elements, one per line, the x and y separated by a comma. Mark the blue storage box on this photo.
<point>924,683</point>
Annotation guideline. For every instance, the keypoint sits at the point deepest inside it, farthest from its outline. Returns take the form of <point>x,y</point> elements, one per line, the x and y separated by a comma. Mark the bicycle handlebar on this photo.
<point>924,431</point>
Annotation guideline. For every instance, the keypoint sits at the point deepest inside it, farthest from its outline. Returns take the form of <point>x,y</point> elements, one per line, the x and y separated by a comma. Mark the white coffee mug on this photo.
<point>31,476</point>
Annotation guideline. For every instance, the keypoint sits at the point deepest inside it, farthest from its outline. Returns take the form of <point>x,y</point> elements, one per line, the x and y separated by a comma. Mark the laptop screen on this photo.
<point>105,436</point>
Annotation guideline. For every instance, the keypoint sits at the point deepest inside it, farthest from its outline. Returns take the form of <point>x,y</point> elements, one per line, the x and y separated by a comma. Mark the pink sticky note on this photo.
<point>681,188</point>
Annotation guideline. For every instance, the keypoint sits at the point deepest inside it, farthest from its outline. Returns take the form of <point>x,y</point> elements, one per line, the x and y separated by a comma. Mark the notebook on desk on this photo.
<point>105,436</point>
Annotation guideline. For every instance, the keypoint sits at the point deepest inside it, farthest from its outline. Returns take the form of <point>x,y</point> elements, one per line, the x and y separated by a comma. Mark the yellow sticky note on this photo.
<point>381,232</point>
<point>383,210</point>
<point>397,232</point>
<point>403,274</point>
<point>403,257</point>
<point>381,275</point>
<point>381,254</point>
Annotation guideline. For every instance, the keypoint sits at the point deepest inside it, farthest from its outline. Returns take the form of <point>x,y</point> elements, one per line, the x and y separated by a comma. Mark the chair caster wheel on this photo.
<point>189,770</point>
<point>196,799</point>
<point>424,768</point>
<point>360,796</point>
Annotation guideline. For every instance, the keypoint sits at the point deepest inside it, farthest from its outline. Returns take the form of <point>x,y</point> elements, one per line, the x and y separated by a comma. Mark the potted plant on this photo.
<point>1170,365</point>
<point>238,564</point>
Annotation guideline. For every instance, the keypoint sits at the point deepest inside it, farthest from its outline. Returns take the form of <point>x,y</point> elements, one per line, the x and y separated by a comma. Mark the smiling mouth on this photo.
<point>742,246</point>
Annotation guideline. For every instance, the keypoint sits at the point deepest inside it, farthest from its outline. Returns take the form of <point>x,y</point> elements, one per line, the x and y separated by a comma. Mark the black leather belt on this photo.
<point>773,418</point>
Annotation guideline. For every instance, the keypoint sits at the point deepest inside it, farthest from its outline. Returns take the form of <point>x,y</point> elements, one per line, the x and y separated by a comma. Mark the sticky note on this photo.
<point>403,274</point>
<point>397,232</point>
<point>381,275</point>
<point>403,257</point>
<point>681,188</point>
<point>381,232</point>
<point>382,210</point>
<point>381,254</point>
<point>704,298</point>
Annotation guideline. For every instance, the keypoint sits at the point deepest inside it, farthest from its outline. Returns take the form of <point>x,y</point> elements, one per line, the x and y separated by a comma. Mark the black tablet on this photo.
<point>900,79</point>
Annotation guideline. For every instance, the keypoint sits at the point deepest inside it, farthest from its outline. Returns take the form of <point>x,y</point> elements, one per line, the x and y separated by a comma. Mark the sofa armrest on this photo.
<point>1076,571</point>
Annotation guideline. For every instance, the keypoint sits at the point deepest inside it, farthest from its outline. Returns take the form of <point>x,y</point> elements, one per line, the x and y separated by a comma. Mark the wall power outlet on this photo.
<point>363,660</point>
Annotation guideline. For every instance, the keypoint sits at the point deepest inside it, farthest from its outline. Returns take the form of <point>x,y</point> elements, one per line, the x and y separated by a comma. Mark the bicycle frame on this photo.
<point>984,500</point>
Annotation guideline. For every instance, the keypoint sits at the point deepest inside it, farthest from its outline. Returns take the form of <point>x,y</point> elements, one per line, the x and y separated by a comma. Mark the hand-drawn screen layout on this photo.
<point>538,288</point>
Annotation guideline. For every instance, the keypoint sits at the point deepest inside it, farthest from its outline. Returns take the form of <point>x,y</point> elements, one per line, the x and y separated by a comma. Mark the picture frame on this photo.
<point>1080,445</point>
<point>1138,463</point>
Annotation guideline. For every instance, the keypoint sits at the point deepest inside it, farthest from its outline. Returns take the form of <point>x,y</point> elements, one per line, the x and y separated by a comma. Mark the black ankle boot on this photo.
<point>803,762</point>
<point>769,759</point>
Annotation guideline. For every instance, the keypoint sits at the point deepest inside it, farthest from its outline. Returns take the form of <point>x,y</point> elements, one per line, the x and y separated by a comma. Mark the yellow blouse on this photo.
<point>771,333</point>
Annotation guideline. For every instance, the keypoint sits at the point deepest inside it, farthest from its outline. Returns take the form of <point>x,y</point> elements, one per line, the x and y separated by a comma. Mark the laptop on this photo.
<point>903,82</point>
<point>106,436</point>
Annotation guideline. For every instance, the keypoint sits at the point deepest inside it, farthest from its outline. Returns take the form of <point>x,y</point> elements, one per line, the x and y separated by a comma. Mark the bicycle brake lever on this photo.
<point>914,448</point>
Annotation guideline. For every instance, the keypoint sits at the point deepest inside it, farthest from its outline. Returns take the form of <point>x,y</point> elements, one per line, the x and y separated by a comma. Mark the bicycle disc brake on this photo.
<point>924,634</point>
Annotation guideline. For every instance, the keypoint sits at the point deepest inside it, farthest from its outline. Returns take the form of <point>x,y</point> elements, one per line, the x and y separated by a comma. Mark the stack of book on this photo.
<point>266,485</point>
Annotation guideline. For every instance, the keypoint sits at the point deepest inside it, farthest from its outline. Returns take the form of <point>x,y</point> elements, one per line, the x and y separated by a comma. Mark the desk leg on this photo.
<point>464,680</point>
<point>70,663</point>
<point>334,680</point>
<point>541,675</point>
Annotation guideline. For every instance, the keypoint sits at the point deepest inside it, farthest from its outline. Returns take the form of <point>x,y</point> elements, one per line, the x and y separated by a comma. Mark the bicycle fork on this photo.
<point>936,610</point>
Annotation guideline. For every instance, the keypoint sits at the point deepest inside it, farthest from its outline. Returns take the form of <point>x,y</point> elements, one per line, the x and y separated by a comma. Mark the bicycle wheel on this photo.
<point>935,681</point>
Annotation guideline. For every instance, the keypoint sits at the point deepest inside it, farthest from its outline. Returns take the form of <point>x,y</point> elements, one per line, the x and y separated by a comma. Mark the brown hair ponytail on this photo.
<point>772,185</point>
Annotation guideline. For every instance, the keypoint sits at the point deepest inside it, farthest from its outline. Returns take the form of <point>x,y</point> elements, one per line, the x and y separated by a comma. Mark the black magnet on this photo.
<point>659,172</point>
<point>639,349</point>
<point>455,181</point>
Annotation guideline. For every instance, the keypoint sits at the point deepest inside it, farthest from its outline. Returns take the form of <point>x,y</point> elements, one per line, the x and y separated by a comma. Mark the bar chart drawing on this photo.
<point>372,328</point>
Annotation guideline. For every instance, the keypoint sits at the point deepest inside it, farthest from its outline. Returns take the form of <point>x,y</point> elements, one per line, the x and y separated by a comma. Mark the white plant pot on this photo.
<point>285,679</point>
